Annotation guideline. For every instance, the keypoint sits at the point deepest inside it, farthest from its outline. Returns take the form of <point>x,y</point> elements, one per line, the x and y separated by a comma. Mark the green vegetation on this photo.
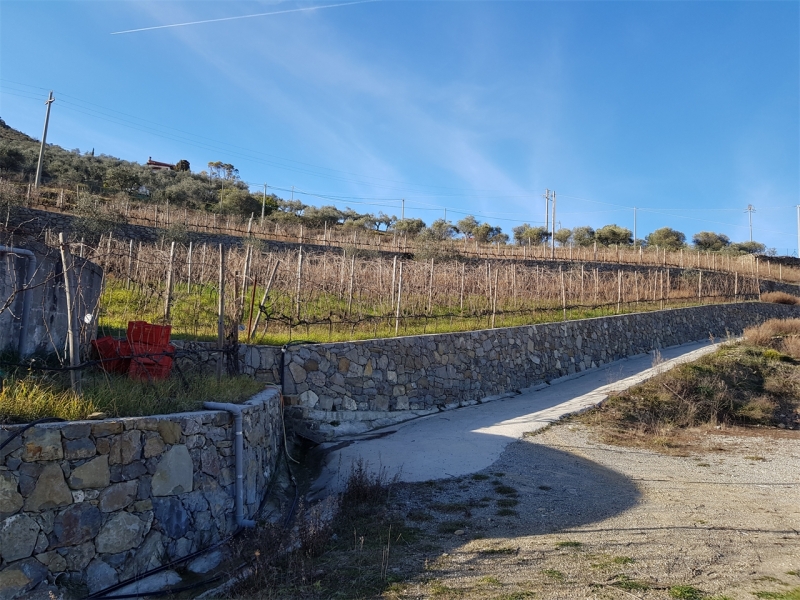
<point>686,592</point>
<point>789,595</point>
<point>568,544</point>
<point>26,397</point>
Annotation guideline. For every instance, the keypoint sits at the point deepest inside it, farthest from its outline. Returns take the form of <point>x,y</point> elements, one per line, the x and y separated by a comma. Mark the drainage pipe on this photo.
<point>26,298</point>
<point>238,450</point>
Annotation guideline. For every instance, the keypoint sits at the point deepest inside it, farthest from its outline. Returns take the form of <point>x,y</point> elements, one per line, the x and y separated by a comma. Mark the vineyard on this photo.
<point>275,297</point>
<point>334,284</point>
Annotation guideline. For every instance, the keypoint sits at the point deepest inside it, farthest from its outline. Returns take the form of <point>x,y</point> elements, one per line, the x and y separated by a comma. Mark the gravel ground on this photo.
<point>589,520</point>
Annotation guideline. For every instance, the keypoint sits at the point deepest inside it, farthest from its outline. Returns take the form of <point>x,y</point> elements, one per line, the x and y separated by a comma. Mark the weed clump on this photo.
<point>780,298</point>
<point>742,384</point>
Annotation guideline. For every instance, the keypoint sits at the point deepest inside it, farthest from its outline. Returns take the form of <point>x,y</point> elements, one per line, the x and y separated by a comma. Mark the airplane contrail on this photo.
<point>277,12</point>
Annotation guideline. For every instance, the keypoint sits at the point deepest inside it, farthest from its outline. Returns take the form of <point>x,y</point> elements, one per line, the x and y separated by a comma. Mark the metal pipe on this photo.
<point>26,298</point>
<point>238,447</point>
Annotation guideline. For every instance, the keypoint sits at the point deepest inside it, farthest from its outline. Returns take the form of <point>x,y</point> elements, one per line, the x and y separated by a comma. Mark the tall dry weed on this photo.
<point>780,298</point>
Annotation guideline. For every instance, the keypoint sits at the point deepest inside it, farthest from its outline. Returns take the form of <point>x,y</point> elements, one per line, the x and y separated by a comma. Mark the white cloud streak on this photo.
<point>266,14</point>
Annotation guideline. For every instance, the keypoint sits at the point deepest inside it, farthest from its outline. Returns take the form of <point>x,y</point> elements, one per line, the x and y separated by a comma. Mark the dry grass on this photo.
<point>27,397</point>
<point>351,555</point>
<point>737,385</point>
<point>778,334</point>
<point>780,298</point>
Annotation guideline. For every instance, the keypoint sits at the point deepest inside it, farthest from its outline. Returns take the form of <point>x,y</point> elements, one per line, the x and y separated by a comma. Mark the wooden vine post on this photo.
<point>73,339</point>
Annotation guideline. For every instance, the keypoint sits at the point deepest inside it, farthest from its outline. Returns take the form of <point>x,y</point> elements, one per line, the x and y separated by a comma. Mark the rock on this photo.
<point>54,562</point>
<point>169,431</point>
<point>153,445</point>
<point>459,532</point>
<point>80,448</point>
<point>20,578</point>
<point>51,490</point>
<point>42,444</point>
<point>97,416</point>
<point>99,576</point>
<point>148,556</point>
<point>174,473</point>
<point>10,498</point>
<point>75,525</point>
<point>153,583</point>
<point>79,556</point>
<point>125,448</point>
<point>118,496</point>
<point>18,537</point>
<point>91,474</point>
<point>74,431</point>
<point>209,459</point>
<point>172,516</point>
<point>121,532</point>
<point>298,372</point>
<point>205,563</point>
<point>309,399</point>
<point>106,428</point>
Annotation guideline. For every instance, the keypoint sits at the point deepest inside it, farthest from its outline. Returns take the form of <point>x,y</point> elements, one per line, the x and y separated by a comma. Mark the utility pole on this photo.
<point>47,102</point>
<point>798,230</point>
<point>750,210</point>
<point>264,204</point>
<point>634,226</point>
<point>546,209</point>
<point>445,215</point>
<point>553,236</point>
<point>403,209</point>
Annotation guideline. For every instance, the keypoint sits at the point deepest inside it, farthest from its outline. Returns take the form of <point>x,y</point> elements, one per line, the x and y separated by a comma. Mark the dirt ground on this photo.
<point>563,515</point>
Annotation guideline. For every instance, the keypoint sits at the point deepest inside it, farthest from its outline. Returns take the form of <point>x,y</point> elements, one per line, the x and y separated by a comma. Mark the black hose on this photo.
<point>169,565</point>
<point>25,428</point>
<point>178,590</point>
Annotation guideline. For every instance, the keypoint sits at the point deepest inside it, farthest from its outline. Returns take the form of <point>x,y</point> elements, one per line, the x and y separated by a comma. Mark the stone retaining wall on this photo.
<point>354,386</point>
<point>96,502</point>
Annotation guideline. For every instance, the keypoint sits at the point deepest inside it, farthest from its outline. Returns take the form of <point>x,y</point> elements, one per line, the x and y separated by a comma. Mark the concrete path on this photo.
<point>466,440</point>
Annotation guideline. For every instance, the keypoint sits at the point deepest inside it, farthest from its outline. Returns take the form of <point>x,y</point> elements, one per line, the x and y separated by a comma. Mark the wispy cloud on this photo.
<point>266,14</point>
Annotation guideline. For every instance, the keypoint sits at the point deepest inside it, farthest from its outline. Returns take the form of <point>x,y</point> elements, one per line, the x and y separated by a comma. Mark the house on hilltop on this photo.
<point>159,166</point>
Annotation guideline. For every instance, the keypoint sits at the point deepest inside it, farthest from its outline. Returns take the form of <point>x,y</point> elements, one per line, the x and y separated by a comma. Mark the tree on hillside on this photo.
<point>123,178</point>
<point>182,165</point>
<point>409,226</point>
<point>710,241</point>
<point>467,226</point>
<point>439,230</point>
<point>583,236</point>
<point>749,247</point>
<point>486,233</point>
<point>611,235</point>
<point>385,220</point>
<point>666,237</point>
<point>321,216</point>
<point>526,235</point>
<point>563,236</point>
<point>236,201</point>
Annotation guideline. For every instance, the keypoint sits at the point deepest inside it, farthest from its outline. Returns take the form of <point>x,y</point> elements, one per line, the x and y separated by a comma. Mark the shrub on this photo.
<point>780,298</point>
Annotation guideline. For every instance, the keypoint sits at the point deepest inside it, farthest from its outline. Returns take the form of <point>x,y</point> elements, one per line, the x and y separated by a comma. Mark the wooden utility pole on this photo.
<point>553,234</point>
<point>47,102</point>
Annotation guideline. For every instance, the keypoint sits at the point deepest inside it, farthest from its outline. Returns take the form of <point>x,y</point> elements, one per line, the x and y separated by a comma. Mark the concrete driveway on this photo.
<point>466,440</point>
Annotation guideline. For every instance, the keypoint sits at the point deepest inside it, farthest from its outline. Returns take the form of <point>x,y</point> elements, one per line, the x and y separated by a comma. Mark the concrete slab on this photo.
<point>466,440</point>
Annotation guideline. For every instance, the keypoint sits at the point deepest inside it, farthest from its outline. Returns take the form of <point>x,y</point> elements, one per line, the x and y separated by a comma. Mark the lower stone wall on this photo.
<point>350,387</point>
<point>97,502</point>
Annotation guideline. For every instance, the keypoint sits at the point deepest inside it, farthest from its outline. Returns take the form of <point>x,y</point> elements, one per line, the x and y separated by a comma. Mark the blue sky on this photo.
<point>687,110</point>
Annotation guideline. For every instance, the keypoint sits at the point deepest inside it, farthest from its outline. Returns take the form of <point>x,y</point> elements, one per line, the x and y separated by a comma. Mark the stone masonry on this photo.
<point>351,387</point>
<point>97,502</point>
